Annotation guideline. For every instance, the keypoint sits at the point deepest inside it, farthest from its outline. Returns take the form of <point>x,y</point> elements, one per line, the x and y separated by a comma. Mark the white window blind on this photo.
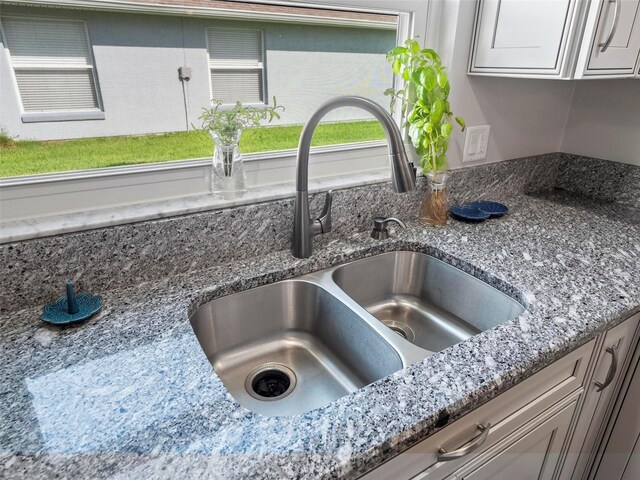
<point>236,64</point>
<point>52,63</point>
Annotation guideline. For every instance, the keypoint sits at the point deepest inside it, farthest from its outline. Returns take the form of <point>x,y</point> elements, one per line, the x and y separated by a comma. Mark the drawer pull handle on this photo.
<point>473,445</point>
<point>612,369</point>
<point>614,26</point>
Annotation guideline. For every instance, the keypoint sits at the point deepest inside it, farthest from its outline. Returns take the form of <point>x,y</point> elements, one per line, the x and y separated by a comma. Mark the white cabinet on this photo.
<point>613,357</point>
<point>532,454</point>
<point>619,456</point>
<point>527,36</point>
<point>612,39</point>
<point>556,38</point>
<point>546,427</point>
<point>508,424</point>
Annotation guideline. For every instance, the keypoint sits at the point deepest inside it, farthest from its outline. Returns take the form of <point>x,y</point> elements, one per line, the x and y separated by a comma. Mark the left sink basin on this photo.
<point>290,347</point>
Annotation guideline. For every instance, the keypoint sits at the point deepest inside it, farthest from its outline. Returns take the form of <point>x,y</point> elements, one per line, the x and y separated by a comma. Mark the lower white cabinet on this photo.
<point>531,453</point>
<point>498,425</point>
<point>612,359</point>
<point>546,427</point>
<point>619,456</point>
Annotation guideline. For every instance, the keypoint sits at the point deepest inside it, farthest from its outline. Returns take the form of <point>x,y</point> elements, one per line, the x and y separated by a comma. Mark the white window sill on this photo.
<point>79,221</point>
<point>34,117</point>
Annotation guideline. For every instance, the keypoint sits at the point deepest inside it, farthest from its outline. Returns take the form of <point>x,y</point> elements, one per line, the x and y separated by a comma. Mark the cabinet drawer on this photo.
<point>505,413</point>
<point>530,453</point>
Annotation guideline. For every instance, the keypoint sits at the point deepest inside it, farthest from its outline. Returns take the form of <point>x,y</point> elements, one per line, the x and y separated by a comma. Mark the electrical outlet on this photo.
<point>475,143</point>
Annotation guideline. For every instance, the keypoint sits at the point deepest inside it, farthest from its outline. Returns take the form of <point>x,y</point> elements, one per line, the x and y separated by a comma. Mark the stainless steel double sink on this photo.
<point>299,344</point>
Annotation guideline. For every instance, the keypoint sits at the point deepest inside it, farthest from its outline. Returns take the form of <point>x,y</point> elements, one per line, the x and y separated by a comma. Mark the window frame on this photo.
<point>96,113</point>
<point>262,68</point>
<point>415,17</point>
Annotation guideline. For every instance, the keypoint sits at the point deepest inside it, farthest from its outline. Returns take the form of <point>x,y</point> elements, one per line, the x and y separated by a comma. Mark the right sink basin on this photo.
<point>428,302</point>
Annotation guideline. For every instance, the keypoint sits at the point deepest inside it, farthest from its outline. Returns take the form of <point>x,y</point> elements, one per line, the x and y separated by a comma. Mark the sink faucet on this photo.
<point>403,176</point>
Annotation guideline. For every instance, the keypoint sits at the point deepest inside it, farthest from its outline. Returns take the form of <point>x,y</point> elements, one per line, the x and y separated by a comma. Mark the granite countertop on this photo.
<point>130,393</point>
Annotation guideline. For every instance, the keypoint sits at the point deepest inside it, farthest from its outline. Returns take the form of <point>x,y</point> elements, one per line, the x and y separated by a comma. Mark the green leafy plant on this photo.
<point>226,122</point>
<point>425,105</point>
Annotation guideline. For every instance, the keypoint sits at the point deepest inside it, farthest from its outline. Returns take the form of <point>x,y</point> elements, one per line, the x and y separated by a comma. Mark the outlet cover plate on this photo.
<point>475,143</point>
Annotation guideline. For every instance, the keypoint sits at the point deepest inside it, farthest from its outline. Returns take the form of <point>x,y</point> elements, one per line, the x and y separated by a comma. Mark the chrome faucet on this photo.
<point>403,175</point>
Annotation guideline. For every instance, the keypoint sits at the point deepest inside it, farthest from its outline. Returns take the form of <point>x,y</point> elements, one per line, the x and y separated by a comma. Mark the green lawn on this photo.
<point>30,157</point>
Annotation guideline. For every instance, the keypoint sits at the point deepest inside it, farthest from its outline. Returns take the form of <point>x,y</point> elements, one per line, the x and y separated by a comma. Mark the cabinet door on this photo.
<point>621,458</point>
<point>531,456</point>
<point>600,397</point>
<point>521,36</point>
<point>614,45</point>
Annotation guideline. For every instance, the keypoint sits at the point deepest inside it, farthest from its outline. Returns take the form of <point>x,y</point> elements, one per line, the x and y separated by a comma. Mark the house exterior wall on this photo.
<point>137,59</point>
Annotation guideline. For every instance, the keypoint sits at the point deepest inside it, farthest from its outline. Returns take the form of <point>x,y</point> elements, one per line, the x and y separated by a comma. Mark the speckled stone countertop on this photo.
<point>130,393</point>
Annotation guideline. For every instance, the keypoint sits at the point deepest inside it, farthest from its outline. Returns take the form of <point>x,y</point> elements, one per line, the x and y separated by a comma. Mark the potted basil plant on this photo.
<point>427,115</point>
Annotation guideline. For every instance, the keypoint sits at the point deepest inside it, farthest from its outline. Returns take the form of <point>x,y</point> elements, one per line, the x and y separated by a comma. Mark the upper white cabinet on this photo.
<point>614,43</point>
<point>521,36</point>
<point>556,38</point>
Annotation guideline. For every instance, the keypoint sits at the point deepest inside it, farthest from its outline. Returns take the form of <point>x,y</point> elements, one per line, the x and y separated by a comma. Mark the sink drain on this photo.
<point>271,381</point>
<point>402,329</point>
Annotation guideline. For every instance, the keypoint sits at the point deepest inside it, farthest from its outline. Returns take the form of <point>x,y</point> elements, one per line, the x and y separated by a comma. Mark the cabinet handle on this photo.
<point>614,26</point>
<point>474,444</point>
<point>612,369</point>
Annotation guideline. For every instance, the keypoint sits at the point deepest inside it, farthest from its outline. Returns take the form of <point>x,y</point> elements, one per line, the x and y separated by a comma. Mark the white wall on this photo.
<point>604,121</point>
<point>596,118</point>
<point>527,117</point>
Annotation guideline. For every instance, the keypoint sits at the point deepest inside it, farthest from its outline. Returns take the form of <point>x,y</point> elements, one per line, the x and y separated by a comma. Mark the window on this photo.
<point>237,65</point>
<point>53,65</point>
<point>159,64</point>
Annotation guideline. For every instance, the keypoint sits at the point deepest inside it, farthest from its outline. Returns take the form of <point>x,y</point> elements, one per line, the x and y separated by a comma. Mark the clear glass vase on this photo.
<point>434,209</point>
<point>228,179</point>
